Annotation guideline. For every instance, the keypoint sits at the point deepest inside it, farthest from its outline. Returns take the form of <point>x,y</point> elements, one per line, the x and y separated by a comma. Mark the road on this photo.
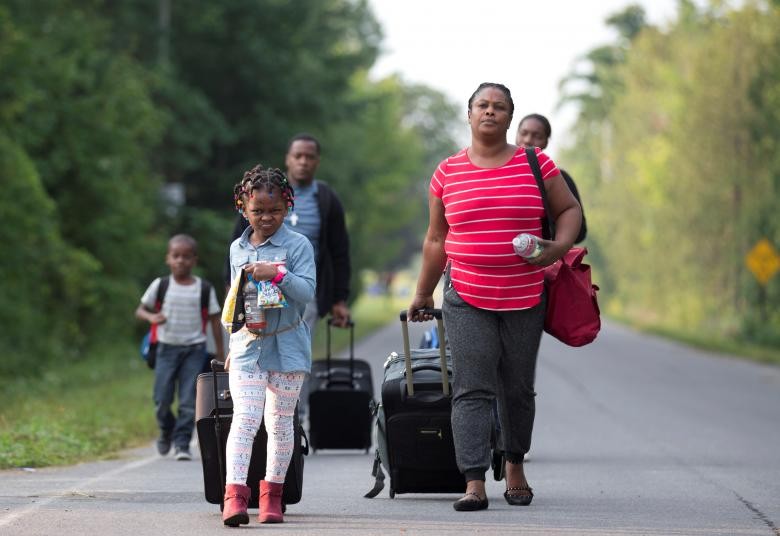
<point>634,435</point>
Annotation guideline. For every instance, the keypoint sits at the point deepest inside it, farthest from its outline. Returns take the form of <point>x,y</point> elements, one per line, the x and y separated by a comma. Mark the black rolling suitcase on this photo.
<point>213,416</point>
<point>414,434</point>
<point>341,394</point>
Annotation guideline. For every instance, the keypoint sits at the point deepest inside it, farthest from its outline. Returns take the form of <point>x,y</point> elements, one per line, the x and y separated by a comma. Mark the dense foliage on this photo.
<point>110,111</point>
<point>676,153</point>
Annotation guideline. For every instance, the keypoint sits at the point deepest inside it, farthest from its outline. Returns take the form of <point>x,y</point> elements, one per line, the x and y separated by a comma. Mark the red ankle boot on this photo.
<point>270,502</point>
<point>234,510</point>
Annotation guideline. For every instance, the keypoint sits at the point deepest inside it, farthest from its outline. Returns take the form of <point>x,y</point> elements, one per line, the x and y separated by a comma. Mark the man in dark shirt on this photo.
<point>318,215</point>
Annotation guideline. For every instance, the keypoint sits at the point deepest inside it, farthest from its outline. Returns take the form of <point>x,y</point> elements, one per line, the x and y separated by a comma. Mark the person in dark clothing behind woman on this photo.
<point>534,130</point>
<point>319,216</point>
<point>494,302</point>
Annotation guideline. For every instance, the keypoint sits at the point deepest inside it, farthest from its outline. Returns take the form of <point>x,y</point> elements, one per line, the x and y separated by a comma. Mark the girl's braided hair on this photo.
<point>259,178</point>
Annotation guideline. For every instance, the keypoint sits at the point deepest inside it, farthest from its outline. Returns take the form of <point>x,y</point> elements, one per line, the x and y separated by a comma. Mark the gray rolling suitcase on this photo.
<point>414,434</point>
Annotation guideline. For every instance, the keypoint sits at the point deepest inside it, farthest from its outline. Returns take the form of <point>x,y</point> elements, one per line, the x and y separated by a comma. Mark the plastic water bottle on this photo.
<point>254,314</point>
<point>527,245</point>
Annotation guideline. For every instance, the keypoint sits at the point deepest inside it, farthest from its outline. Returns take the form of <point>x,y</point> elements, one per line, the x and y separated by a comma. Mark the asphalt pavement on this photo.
<point>634,435</point>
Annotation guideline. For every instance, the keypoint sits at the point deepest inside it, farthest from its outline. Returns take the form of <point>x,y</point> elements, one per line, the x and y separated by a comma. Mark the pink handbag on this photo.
<point>573,315</point>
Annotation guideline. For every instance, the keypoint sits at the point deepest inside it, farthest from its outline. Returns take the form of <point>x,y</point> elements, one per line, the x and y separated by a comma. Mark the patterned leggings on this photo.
<point>249,391</point>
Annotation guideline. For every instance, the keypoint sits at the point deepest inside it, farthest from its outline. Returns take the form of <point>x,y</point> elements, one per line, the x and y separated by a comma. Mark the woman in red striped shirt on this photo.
<point>479,199</point>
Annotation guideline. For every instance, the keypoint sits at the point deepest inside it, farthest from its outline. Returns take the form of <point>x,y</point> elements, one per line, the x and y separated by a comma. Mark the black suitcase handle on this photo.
<point>351,326</point>
<point>445,384</point>
<point>436,313</point>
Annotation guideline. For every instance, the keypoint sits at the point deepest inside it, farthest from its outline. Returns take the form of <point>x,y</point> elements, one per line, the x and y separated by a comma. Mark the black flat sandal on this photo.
<point>465,504</point>
<point>519,500</point>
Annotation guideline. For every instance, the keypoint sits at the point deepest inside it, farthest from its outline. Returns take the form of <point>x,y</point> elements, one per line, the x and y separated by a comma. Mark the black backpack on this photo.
<point>534,163</point>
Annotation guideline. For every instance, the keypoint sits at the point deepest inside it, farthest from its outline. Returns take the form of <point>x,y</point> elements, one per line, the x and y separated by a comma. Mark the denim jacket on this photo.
<point>290,350</point>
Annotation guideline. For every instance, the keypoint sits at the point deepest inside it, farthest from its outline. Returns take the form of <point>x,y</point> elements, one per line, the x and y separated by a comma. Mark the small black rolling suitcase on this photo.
<point>414,433</point>
<point>341,394</point>
<point>213,416</point>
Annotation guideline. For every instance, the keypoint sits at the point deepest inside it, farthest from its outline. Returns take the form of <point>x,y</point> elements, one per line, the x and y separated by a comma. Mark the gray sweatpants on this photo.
<point>493,357</point>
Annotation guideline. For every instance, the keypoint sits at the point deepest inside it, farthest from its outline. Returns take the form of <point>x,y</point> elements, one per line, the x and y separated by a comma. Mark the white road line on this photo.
<point>13,516</point>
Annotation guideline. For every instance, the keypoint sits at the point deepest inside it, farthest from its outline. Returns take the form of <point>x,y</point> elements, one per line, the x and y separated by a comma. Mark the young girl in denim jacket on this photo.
<point>267,367</point>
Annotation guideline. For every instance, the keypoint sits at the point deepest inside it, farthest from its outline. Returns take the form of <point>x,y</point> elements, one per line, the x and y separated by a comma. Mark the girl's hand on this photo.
<point>262,271</point>
<point>552,250</point>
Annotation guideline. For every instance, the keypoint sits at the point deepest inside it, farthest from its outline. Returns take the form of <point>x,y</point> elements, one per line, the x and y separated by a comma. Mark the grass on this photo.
<point>78,411</point>
<point>92,409</point>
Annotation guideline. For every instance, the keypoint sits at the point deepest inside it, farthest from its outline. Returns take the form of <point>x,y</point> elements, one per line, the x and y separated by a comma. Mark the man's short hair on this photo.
<point>303,136</point>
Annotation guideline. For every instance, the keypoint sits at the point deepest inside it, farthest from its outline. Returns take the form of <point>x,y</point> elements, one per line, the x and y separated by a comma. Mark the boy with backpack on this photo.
<point>179,307</point>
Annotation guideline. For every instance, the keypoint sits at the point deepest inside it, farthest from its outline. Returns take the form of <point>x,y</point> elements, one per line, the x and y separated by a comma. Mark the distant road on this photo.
<point>634,435</point>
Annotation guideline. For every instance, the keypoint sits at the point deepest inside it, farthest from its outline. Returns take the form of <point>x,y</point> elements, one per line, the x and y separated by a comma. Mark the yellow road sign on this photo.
<point>763,261</point>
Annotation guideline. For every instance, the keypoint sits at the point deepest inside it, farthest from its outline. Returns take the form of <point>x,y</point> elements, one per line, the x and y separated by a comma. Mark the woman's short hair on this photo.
<point>500,87</point>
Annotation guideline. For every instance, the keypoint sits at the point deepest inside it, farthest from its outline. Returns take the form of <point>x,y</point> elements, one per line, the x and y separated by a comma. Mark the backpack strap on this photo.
<point>162,288</point>
<point>548,226</point>
<point>205,293</point>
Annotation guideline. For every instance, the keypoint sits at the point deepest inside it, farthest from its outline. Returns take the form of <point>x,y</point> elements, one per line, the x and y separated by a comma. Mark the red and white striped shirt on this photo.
<point>485,209</point>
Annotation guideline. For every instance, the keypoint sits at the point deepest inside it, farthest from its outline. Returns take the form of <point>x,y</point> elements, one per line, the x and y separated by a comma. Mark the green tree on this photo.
<point>45,282</point>
<point>246,75</point>
<point>686,181</point>
<point>82,119</point>
<point>380,160</point>
<point>109,105</point>
<point>236,80</point>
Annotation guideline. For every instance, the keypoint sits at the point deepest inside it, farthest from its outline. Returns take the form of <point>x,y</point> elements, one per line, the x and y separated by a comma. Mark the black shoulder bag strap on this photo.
<point>548,226</point>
